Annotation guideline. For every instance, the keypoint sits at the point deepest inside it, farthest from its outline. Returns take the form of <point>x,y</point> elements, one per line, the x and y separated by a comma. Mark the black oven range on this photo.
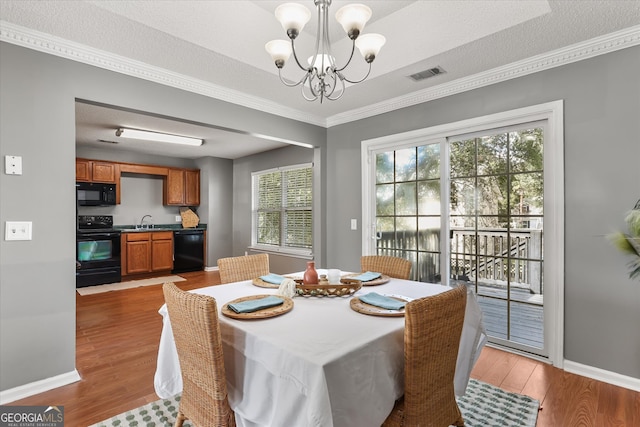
<point>97,251</point>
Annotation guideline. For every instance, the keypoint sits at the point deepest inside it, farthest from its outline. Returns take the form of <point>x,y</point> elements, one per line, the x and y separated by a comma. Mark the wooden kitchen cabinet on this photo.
<point>83,170</point>
<point>96,171</point>
<point>147,252</point>
<point>161,250</point>
<point>138,253</point>
<point>182,187</point>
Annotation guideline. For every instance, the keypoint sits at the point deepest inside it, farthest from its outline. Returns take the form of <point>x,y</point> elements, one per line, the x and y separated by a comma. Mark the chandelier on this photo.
<point>323,76</point>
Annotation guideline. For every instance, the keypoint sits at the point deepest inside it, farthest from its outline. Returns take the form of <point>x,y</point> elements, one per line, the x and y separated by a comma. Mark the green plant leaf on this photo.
<point>620,241</point>
<point>633,222</point>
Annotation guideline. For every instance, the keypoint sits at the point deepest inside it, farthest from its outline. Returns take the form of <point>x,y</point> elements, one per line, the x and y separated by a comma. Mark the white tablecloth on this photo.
<point>322,364</point>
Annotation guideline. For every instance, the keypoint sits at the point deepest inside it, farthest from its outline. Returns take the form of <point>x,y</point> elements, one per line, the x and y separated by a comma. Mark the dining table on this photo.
<point>322,363</point>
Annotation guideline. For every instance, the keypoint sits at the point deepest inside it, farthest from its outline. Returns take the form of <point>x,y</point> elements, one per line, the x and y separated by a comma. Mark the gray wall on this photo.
<point>37,113</point>
<point>216,196</point>
<point>602,182</point>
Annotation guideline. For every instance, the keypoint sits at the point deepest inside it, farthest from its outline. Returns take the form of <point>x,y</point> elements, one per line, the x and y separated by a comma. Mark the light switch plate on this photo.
<point>178,218</point>
<point>18,230</point>
<point>13,165</point>
<point>354,224</point>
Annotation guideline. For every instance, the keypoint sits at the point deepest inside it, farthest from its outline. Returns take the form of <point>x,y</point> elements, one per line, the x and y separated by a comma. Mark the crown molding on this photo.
<point>588,49</point>
<point>36,40</point>
<point>47,43</point>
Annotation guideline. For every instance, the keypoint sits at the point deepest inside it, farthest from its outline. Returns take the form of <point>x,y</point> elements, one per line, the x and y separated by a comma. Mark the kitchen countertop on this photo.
<point>157,227</point>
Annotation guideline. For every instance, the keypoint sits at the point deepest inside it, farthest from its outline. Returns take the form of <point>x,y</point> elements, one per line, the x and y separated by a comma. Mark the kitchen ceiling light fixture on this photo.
<point>157,136</point>
<point>322,75</point>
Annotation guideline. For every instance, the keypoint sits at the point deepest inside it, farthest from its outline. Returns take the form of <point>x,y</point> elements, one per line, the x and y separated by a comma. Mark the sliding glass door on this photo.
<point>470,208</point>
<point>408,208</point>
<point>496,224</point>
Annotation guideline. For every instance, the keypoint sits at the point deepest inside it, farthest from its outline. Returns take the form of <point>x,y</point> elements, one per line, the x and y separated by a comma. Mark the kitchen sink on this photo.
<point>144,230</point>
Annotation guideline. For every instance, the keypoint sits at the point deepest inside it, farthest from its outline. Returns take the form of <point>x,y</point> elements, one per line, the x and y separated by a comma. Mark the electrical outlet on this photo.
<point>18,230</point>
<point>178,218</point>
<point>13,165</point>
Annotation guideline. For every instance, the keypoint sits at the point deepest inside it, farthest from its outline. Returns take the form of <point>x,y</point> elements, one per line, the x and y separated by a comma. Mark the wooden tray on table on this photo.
<point>346,287</point>
<point>379,281</point>
<point>372,310</point>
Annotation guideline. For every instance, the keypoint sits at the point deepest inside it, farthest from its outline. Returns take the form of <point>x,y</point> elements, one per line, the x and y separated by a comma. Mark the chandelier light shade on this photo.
<point>293,17</point>
<point>322,77</point>
<point>280,51</point>
<point>353,17</point>
<point>369,45</point>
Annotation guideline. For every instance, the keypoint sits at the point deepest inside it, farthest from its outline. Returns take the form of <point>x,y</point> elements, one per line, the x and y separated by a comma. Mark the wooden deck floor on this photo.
<point>522,322</point>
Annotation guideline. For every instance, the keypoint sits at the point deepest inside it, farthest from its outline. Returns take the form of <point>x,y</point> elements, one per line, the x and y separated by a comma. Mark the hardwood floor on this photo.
<point>117,337</point>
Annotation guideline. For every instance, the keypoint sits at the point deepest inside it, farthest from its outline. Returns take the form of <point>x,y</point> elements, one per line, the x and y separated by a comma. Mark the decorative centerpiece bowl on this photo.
<point>346,287</point>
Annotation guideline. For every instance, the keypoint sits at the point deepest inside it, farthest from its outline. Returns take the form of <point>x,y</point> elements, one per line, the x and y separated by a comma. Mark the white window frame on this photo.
<point>280,249</point>
<point>552,113</point>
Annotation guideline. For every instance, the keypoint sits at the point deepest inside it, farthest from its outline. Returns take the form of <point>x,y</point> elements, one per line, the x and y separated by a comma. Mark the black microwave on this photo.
<point>95,194</point>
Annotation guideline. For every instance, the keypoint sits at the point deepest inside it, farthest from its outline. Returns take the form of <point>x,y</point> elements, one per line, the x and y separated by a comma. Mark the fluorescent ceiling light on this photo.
<point>157,136</point>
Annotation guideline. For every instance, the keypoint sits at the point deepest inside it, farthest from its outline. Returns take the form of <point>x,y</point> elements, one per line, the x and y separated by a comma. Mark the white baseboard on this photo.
<point>602,375</point>
<point>36,387</point>
<point>211,268</point>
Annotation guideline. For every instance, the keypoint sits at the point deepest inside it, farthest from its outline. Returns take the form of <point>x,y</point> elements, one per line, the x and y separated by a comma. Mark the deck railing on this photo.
<point>490,256</point>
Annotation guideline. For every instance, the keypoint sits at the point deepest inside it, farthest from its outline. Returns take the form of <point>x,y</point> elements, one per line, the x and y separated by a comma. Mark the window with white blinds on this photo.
<point>282,209</point>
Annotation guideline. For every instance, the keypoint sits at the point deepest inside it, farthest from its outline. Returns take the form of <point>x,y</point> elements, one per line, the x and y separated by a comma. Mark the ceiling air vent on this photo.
<point>427,73</point>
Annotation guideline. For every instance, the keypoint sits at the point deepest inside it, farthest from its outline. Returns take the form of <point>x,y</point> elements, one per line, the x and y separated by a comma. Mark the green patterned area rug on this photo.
<point>483,405</point>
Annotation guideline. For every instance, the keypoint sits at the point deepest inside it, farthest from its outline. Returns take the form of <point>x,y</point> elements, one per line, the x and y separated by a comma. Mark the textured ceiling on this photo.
<point>222,43</point>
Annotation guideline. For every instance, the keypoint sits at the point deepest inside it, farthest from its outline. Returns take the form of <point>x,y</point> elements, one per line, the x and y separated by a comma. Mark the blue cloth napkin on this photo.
<point>378,300</point>
<point>276,279</point>
<point>256,304</point>
<point>366,277</point>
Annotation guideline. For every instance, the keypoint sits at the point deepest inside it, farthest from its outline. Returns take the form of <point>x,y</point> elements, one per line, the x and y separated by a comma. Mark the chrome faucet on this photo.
<point>142,221</point>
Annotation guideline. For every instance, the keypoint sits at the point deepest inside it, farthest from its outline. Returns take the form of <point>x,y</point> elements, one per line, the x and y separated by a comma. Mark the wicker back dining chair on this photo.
<point>196,331</point>
<point>433,326</point>
<point>239,268</point>
<point>392,266</point>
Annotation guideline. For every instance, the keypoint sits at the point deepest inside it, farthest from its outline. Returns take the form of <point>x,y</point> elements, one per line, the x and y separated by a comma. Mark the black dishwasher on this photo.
<point>188,250</point>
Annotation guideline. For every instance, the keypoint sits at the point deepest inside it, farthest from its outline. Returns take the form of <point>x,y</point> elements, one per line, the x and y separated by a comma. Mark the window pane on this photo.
<point>429,234</point>
<point>527,193</point>
<point>406,233</point>
<point>385,227</point>
<point>492,195</point>
<point>526,150</point>
<point>490,223</point>
<point>268,229</point>
<point>269,191</point>
<point>406,165</point>
<point>406,199</point>
<point>429,161</point>
<point>463,200</point>
<point>384,167</point>
<point>298,226</point>
<point>384,199</point>
<point>492,154</point>
<point>299,188</point>
<point>429,267</point>
<point>429,197</point>
<point>463,158</point>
